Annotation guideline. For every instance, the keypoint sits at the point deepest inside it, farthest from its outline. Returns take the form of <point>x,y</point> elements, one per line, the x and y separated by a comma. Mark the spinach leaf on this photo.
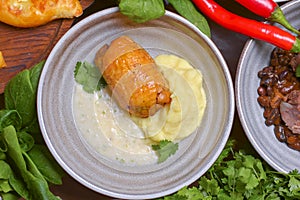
<point>20,94</point>
<point>10,117</point>
<point>19,186</point>
<point>34,129</point>
<point>42,158</point>
<point>35,183</point>
<point>7,185</point>
<point>19,133</point>
<point>2,155</point>
<point>5,171</point>
<point>13,148</point>
<point>26,141</point>
<point>187,9</point>
<point>14,153</point>
<point>10,196</point>
<point>142,10</point>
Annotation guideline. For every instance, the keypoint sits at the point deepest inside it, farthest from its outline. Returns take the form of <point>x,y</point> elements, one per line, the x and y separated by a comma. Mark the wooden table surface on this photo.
<point>24,47</point>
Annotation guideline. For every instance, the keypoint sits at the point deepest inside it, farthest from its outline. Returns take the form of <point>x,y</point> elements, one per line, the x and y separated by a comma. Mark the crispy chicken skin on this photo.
<point>32,13</point>
<point>133,77</point>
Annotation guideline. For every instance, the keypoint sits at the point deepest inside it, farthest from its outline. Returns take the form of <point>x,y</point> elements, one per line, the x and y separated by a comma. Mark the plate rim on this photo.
<point>225,135</point>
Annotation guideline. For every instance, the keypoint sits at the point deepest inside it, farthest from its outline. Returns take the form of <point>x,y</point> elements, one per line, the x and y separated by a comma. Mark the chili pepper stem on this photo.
<point>278,16</point>
<point>296,46</point>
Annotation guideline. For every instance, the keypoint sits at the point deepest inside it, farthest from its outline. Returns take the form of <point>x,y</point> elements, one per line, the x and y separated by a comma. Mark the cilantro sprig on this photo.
<point>89,76</point>
<point>236,175</point>
<point>165,149</point>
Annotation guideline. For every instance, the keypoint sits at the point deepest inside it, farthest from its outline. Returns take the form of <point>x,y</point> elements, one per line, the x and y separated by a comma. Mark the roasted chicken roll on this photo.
<point>133,77</point>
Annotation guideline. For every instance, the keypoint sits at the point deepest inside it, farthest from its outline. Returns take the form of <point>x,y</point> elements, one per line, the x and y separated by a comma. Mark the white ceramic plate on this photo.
<point>169,34</point>
<point>255,56</point>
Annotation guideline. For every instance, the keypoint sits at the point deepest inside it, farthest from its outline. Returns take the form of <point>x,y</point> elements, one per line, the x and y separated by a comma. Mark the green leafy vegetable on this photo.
<point>42,158</point>
<point>5,171</point>
<point>236,175</point>
<point>187,9</point>
<point>165,149</point>
<point>26,141</point>
<point>33,179</point>
<point>142,10</point>
<point>89,77</point>
<point>25,163</point>
<point>10,117</point>
<point>20,94</point>
<point>10,196</point>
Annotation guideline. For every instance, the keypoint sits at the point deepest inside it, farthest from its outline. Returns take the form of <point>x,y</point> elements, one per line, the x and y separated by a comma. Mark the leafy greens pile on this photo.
<point>236,175</point>
<point>144,10</point>
<point>26,166</point>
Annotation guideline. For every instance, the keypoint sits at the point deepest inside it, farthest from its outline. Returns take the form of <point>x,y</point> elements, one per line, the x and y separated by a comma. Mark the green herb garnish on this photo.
<point>239,176</point>
<point>165,149</point>
<point>89,76</point>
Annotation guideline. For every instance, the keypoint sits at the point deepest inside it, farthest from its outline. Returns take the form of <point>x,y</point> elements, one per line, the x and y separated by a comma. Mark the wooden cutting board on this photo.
<point>24,47</point>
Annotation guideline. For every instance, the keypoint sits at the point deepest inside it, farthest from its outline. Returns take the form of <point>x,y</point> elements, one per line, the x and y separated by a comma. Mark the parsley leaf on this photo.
<point>89,76</point>
<point>165,149</point>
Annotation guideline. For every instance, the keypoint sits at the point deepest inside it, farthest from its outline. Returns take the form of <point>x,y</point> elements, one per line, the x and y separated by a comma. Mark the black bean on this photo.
<point>283,74</point>
<point>280,133</point>
<point>264,101</point>
<point>261,91</point>
<point>287,89</point>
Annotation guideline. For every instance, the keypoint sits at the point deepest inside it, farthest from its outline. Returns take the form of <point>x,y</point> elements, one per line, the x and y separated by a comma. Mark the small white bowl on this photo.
<point>169,34</point>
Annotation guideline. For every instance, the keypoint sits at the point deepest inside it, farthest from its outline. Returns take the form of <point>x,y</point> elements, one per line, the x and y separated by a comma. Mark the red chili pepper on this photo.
<point>269,10</point>
<point>249,27</point>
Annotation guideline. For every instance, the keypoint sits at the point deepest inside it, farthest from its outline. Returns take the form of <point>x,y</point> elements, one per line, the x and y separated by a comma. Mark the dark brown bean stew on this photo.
<point>277,81</point>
